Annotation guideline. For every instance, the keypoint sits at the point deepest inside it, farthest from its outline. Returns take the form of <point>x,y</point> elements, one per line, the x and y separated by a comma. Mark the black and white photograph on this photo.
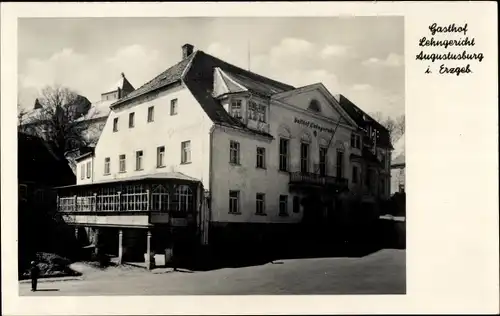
<point>205,158</point>
<point>225,158</point>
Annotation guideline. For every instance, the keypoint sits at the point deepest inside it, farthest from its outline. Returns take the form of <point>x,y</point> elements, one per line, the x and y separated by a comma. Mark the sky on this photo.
<point>359,57</point>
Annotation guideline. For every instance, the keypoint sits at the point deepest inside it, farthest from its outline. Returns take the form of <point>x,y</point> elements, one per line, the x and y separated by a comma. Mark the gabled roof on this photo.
<point>197,73</point>
<point>199,79</point>
<point>344,116</point>
<point>122,84</point>
<point>169,76</point>
<point>363,120</point>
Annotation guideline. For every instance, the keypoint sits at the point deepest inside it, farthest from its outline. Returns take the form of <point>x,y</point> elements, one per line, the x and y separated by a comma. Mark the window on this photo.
<point>340,163</point>
<point>115,124</point>
<point>283,205</point>
<point>82,171</point>
<point>260,204</point>
<point>234,201</point>
<point>107,168</point>
<point>355,141</point>
<point>283,163</point>
<point>296,204</point>
<point>160,157</point>
<point>131,122</point>
<point>314,106</point>
<point>183,199</point>
<point>186,152</point>
<point>138,160</point>
<point>382,160</point>
<point>261,157</point>
<point>256,112</point>
<point>173,107</point>
<point>159,198</point>
<point>122,163</point>
<point>304,157</point>
<point>235,109</point>
<point>354,174</point>
<point>88,170</point>
<point>151,114</point>
<point>322,160</point>
<point>234,152</point>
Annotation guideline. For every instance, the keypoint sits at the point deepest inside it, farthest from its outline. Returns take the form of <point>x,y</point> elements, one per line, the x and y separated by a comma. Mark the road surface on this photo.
<point>383,272</point>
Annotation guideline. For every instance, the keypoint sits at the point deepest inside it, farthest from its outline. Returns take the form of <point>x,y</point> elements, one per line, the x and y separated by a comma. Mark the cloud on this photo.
<point>87,75</point>
<point>361,87</point>
<point>334,51</point>
<point>392,60</point>
<point>372,99</point>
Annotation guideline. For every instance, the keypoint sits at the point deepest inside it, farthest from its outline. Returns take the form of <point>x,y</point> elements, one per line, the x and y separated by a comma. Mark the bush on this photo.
<point>52,265</point>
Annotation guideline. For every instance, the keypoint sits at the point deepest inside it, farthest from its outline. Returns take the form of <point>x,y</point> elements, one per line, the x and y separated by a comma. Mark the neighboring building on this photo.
<point>39,171</point>
<point>92,117</point>
<point>206,149</point>
<point>398,167</point>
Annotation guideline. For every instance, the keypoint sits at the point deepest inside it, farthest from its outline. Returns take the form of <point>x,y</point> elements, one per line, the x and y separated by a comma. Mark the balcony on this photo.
<point>314,180</point>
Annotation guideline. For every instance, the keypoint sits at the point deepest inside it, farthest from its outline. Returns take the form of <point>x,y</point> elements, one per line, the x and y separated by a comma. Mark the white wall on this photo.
<point>84,179</point>
<point>191,123</point>
<point>251,180</point>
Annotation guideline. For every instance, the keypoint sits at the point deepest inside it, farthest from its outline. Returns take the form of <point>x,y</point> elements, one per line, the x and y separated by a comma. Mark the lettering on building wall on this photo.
<point>313,125</point>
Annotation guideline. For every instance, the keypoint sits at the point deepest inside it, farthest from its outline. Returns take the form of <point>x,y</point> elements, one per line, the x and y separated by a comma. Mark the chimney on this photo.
<point>187,50</point>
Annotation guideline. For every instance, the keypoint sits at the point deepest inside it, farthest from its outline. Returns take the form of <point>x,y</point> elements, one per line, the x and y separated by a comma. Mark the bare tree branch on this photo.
<point>61,119</point>
<point>400,125</point>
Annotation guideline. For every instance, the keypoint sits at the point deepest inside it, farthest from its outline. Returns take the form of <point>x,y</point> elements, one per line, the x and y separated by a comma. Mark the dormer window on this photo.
<point>256,112</point>
<point>314,106</point>
<point>236,109</point>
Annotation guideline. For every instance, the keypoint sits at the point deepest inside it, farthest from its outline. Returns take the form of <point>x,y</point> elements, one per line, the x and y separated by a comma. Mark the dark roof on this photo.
<point>370,157</point>
<point>200,79</point>
<point>364,120</point>
<point>169,76</point>
<point>398,161</point>
<point>198,70</point>
<point>84,155</point>
<point>37,163</point>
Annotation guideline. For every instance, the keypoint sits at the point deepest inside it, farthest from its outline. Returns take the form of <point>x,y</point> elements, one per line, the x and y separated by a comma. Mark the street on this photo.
<point>382,272</point>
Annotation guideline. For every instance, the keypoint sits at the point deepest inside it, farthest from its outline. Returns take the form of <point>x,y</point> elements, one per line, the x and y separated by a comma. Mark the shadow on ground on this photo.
<point>241,259</point>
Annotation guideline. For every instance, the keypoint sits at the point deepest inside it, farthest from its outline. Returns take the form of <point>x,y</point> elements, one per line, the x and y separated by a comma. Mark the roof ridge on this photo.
<point>250,72</point>
<point>163,73</point>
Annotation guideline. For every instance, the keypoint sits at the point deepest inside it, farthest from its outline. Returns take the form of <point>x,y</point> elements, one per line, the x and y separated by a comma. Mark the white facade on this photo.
<point>178,118</point>
<point>189,124</point>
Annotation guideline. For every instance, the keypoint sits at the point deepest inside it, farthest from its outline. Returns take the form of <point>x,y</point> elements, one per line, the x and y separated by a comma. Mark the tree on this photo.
<point>400,125</point>
<point>389,123</point>
<point>59,117</point>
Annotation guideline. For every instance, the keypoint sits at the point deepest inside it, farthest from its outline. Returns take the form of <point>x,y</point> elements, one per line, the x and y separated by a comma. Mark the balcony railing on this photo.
<point>315,179</point>
<point>132,202</point>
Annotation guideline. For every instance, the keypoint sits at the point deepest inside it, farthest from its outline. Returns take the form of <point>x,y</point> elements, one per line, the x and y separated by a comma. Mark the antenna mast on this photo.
<point>248,54</point>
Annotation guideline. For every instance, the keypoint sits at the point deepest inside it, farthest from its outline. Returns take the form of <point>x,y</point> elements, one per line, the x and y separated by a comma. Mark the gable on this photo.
<point>313,100</point>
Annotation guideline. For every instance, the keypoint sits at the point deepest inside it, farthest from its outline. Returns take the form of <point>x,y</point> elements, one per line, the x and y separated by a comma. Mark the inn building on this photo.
<point>208,152</point>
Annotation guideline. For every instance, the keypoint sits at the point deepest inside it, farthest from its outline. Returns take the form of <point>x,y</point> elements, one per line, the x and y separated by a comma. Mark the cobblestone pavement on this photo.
<point>383,272</point>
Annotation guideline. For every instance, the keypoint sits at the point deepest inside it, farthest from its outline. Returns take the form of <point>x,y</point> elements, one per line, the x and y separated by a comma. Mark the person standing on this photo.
<point>34,273</point>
